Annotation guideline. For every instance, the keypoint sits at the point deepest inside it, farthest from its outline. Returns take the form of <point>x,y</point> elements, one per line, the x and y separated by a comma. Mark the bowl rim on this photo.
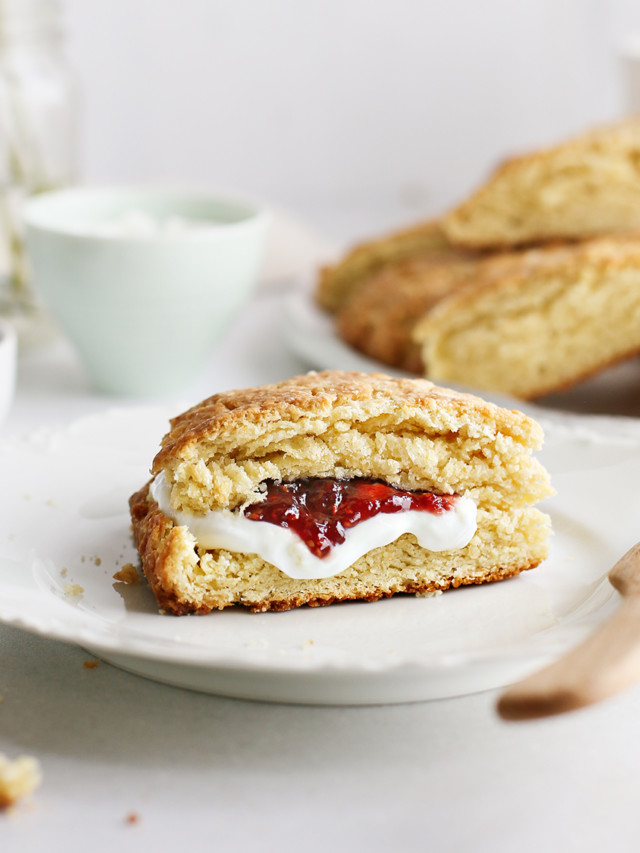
<point>37,210</point>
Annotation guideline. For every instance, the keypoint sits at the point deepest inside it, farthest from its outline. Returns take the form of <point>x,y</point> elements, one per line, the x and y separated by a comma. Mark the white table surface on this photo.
<point>208,773</point>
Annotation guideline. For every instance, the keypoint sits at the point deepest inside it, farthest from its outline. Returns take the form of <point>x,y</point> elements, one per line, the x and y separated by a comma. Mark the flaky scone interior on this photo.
<point>409,434</point>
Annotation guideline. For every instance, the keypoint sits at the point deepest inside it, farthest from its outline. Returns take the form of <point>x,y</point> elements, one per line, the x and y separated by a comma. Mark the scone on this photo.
<point>587,186</point>
<point>379,317</point>
<point>338,486</point>
<point>538,321</point>
<point>336,283</point>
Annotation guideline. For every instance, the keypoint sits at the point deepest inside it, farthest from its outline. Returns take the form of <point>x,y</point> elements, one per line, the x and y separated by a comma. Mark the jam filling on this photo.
<point>319,511</point>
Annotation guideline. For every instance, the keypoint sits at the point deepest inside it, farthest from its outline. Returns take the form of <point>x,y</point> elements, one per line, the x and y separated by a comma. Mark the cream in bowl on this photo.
<point>138,224</point>
<point>143,281</point>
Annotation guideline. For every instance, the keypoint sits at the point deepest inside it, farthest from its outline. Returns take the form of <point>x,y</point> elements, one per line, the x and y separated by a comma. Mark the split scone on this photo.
<point>336,283</point>
<point>587,186</point>
<point>335,486</point>
<point>540,320</point>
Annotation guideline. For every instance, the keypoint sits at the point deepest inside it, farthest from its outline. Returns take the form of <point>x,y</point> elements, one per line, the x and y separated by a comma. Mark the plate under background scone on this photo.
<point>75,482</point>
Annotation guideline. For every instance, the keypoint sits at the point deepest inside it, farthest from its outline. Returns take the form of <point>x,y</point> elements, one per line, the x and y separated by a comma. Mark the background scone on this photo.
<point>379,317</point>
<point>587,186</point>
<point>336,283</point>
<point>219,455</point>
<point>540,320</point>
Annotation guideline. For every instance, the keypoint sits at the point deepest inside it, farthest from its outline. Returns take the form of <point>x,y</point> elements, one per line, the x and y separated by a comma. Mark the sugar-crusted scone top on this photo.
<point>407,432</point>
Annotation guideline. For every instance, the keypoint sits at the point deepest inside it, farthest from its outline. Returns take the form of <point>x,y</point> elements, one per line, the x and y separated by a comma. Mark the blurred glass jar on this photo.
<point>38,136</point>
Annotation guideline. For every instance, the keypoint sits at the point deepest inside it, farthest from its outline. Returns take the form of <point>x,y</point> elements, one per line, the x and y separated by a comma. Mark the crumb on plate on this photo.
<point>127,574</point>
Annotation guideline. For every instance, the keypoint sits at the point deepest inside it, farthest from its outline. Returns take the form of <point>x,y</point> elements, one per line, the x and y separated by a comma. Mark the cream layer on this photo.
<point>283,548</point>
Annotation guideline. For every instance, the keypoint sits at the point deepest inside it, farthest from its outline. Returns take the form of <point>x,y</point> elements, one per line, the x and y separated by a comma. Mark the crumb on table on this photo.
<point>18,778</point>
<point>73,589</point>
<point>90,664</point>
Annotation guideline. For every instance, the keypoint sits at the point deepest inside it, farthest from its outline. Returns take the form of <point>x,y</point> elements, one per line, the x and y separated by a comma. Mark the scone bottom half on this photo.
<point>220,455</point>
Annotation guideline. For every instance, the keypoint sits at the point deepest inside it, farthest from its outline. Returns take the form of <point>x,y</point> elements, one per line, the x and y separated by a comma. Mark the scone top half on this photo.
<point>406,432</point>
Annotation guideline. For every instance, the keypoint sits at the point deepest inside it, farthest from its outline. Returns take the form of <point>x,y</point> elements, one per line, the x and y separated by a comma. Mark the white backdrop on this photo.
<point>355,114</point>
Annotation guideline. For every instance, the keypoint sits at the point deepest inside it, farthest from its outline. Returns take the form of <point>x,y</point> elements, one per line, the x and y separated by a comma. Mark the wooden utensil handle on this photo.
<point>605,663</point>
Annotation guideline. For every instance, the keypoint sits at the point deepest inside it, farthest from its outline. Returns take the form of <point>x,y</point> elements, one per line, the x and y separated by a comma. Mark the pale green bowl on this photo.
<point>143,312</point>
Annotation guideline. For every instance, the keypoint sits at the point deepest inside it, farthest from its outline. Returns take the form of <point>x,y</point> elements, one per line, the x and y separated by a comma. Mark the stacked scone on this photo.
<point>530,285</point>
<point>338,486</point>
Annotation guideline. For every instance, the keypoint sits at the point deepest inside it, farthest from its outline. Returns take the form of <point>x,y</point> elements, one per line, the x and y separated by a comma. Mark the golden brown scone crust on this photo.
<point>574,308</point>
<point>583,187</point>
<point>337,282</point>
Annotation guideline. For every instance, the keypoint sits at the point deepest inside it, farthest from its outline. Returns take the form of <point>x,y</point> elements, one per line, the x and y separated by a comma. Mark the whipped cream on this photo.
<point>137,224</point>
<point>283,548</point>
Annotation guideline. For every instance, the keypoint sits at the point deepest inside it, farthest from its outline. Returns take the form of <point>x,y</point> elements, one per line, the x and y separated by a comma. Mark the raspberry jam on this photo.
<point>320,510</point>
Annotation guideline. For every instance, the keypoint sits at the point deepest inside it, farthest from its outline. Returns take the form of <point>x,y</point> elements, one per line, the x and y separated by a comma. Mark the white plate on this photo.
<point>65,525</point>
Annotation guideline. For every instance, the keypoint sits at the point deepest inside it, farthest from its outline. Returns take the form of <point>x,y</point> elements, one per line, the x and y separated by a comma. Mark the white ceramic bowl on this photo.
<point>143,309</point>
<point>8,363</point>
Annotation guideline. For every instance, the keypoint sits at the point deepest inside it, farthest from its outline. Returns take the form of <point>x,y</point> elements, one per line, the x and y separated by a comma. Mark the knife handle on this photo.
<point>605,663</point>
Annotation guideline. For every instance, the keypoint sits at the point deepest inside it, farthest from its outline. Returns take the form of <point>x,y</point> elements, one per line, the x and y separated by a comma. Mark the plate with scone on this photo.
<point>336,538</point>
